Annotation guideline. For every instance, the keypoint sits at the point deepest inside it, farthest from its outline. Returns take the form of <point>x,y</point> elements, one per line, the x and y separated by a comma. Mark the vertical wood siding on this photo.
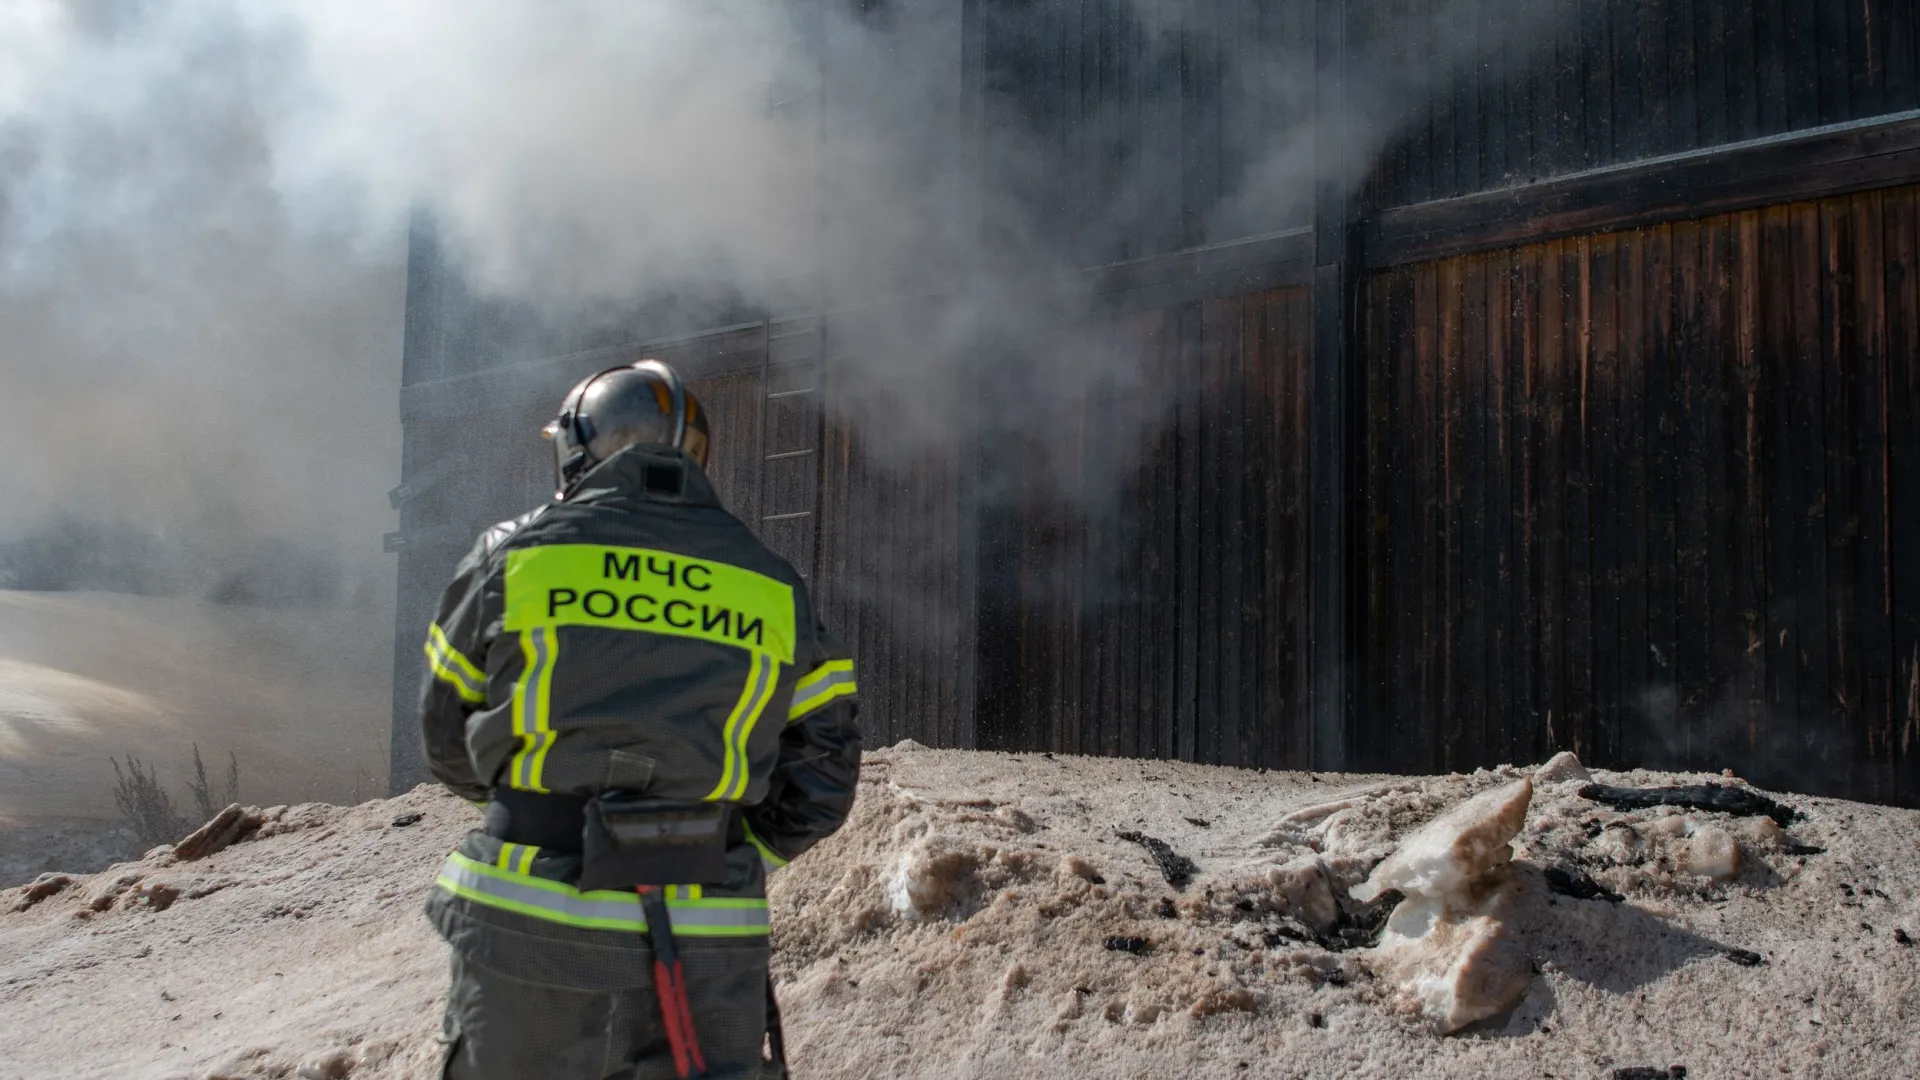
<point>1164,615</point>
<point>1652,496</point>
<point>1124,129</point>
<point>892,587</point>
<point>1569,85</point>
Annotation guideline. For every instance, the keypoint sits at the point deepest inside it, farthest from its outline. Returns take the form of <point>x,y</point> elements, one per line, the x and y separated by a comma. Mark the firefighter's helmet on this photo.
<point>640,404</point>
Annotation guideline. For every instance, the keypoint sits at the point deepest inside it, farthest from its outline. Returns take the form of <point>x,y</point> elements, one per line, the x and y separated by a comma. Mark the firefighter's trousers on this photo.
<point>533,998</point>
<point>540,1021</point>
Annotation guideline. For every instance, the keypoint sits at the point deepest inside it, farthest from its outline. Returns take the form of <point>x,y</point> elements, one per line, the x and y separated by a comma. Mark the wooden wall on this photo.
<point>1653,496</point>
<point>1122,128</point>
<point>1649,493</point>
<point>1544,89</point>
<point>892,585</point>
<point>1143,584</point>
<point>1132,128</point>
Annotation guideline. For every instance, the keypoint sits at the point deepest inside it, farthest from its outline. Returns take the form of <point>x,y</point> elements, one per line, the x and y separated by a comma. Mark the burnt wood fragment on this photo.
<point>1574,883</point>
<point>1714,797</point>
<point>1175,867</point>
<point>1361,927</point>
<point>1135,945</point>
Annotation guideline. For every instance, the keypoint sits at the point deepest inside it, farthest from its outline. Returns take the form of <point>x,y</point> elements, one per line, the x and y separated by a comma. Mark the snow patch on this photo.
<point>1562,768</point>
<point>1450,944</point>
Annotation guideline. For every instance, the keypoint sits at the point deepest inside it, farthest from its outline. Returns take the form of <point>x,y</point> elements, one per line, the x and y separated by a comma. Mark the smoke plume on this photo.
<point>202,202</point>
<point>204,207</point>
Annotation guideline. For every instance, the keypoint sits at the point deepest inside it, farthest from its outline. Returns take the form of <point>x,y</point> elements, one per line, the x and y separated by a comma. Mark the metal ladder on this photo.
<point>794,348</point>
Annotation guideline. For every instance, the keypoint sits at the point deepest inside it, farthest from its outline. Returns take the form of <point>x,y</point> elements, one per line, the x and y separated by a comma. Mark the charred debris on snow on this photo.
<point>1717,798</point>
<point>1175,867</point>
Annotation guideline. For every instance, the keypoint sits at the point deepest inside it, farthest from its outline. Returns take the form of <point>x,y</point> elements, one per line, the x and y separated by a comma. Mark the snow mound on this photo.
<point>982,915</point>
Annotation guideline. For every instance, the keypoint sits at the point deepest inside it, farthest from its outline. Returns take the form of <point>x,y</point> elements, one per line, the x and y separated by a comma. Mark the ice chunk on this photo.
<point>1459,965</point>
<point>933,879</point>
<point>1620,845</point>
<point>1561,768</point>
<point>1448,853</point>
<point>1449,944</point>
<point>1763,834</point>
<point>1711,853</point>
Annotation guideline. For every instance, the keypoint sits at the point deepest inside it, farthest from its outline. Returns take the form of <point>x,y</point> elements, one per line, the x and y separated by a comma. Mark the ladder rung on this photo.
<point>790,393</point>
<point>797,515</point>
<point>783,456</point>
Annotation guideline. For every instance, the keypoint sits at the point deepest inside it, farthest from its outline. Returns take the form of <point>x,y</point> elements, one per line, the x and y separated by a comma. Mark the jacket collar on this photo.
<point>645,474</point>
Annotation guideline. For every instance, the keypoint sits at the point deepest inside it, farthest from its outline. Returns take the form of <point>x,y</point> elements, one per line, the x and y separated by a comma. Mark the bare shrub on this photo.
<point>144,805</point>
<point>205,799</point>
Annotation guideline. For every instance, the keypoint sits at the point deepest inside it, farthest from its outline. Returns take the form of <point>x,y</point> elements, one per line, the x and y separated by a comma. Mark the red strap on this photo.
<point>670,986</point>
<point>685,1008</point>
<point>669,1010</point>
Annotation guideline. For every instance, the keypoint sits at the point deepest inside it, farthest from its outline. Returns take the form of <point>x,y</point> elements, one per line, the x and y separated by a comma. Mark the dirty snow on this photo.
<point>981,916</point>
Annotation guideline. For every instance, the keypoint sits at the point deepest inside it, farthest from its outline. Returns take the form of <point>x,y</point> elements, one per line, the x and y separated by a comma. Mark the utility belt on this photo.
<point>624,840</point>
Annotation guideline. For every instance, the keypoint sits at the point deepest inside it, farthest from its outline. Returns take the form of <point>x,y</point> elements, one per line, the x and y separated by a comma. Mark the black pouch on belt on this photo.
<point>633,841</point>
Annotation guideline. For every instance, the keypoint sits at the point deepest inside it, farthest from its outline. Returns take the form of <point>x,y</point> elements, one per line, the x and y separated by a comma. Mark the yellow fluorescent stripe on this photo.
<point>827,683</point>
<point>448,676</point>
<point>505,861</point>
<point>537,912</point>
<point>821,674</point>
<point>821,700</point>
<point>473,690</point>
<point>454,658</point>
<point>526,861</point>
<point>767,856</point>
<point>623,896</point>
<point>543,715</point>
<point>770,681</point>
<point>756,679</point>
<point>531,715</point>
<point>627,905</point>
<point>520,709</point>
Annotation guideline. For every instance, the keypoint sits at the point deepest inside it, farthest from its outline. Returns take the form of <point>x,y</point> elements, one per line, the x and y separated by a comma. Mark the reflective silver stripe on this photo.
<point>555,902</point>
<point>817,690</point>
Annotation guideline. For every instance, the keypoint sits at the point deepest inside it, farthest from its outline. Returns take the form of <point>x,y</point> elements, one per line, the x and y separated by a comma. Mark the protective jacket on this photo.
<point>633,637</point>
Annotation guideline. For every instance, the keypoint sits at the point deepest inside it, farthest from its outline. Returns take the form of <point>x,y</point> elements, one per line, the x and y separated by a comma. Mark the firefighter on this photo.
<point>638,694</point>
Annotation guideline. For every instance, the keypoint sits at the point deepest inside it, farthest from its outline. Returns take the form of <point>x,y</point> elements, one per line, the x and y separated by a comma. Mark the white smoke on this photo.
<point>203,206</point>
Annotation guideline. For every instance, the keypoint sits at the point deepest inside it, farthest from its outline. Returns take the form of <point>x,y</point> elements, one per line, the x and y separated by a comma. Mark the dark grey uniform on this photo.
<point>632,637</point>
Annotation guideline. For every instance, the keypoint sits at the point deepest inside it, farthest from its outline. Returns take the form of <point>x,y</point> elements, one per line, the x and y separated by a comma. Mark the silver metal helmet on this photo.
<point>640,404</point>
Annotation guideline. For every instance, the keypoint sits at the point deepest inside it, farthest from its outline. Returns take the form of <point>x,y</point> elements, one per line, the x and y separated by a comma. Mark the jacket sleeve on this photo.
<point>455,684</point>
<point>819,764</point>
